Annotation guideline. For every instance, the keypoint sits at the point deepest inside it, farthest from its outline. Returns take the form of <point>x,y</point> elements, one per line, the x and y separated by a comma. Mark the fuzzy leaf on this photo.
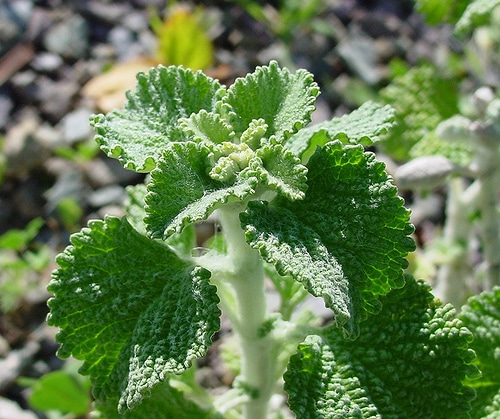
<point>481,315</point>
<point>285,101</point>
<point>477,13</point>
<point>208,127</point>
<point>137,135</point>
<point>408,362</point>
<point>130,309</point>
<point>346,241</point>
<point>362,126</point>
<point>181,191</point>
<point>282,171</point>
<point>422,99</point>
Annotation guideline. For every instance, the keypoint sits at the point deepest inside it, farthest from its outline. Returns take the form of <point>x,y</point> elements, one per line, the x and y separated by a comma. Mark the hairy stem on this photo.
<point>246,274</point>
<point>451,279</point>
<point>490,229</point>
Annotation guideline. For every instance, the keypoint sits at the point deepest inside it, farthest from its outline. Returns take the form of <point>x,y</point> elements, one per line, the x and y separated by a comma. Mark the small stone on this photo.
<point>107,195</point>
<point>122,39</point>
<point>108,12</point>
<point>47,62</point>
<point>22,150</point>
<point>75,126</point>
<point>56,98</point>
<point>14,17</point>
<point>68,38</point>
<point>136,22</point>
<point>10,409</point>
<point>6,106</point>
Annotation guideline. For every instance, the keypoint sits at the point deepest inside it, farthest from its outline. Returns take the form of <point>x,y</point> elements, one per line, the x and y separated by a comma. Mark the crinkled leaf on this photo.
<point>481,315</point>
<point>362,126</point>
<point>164,402</point>
<point>282,171</point>
<point>181,191</point>
<point>137,135</point>
<point>346,241</point>
<point>409,362</point>
<point>477,13</point>
<point>321,383</point>
<point>422,99</point>
<point>284,100</point>
<point>208,127</point>
<point>130,309</point>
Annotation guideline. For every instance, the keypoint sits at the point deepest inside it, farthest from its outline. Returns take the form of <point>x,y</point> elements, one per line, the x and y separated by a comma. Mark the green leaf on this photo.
<point>182,192</point>
<point>477,13</point>
<point>362,126</point>
<point>130,309</point>
<point>441,11</point>
<point>422,99</point>
<point>282,171</point>
<point>17,239</point>
<point>60,390</point>
<point>409,362</point>
<point>285,101</point>
<point>346,241</point>
<point>182,39</point>
<point>481,315</point>
<point>208,127</point>
<point>163,402</point>
<point>137,135</point>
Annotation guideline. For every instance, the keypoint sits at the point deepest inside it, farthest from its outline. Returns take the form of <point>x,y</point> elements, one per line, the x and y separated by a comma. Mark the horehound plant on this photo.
<point>305,208</point>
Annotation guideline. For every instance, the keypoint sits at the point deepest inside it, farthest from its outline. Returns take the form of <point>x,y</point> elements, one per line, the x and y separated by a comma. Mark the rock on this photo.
<point>360,54</point>
<point>6,106</point>
<point>70,184</point>
<point>22,150</point>
<point>10,409</point>
<point>75,126</point>
<point>136,22</point>
<point>112,13</point>
<point>47,62</point>
<point>56,97</point>
<point>14,17</point>
<point>24,87</point>
<point>68,38</point>
<point>107,195</point>
<point>15,362</point>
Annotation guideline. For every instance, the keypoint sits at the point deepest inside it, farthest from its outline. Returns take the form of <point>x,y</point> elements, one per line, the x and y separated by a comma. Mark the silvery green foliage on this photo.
<point>308,206</point>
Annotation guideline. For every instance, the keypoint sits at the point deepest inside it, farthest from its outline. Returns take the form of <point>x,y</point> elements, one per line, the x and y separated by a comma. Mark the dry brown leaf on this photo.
<point>107,90</point>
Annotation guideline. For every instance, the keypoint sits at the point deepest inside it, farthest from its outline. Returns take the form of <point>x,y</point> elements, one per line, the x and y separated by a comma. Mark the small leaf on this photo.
<point>481,315</point>
<point>422,99</point>
<point>477,13</point>
<point>183,41</point>
<point>181,192</point>
<point>17,239</point>
<point>364,125</point>
<point>59,390</point>
<point>130,309</point>
<point>346,241</point>
<point>282,171</point>
<point>285,101</point>
<point>137,135</point>
<point>164,402</point>
<point>208,127</point>
<point>409,362</point>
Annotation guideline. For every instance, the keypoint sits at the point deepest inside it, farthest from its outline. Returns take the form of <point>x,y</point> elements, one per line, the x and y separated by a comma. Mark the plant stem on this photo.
<point>451,279</point>
<point>490,228</point>
<point>246,274</point>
